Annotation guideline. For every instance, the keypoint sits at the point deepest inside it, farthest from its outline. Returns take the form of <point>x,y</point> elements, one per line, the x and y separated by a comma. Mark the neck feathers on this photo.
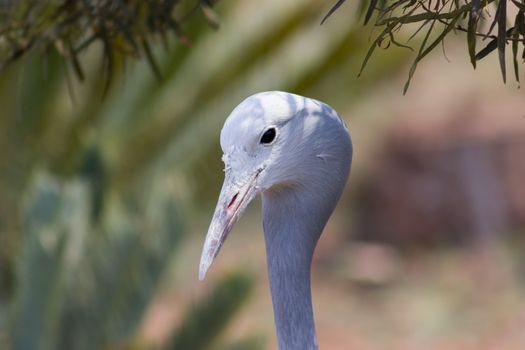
<point>294,215</point>
<point>293,221</point>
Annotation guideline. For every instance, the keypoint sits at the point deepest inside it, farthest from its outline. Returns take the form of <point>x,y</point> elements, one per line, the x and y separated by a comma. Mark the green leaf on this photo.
<point>376,43</point>
<point>515,36</point>
<point>416,61</point>
<point>492,24</point>
<point>370,10</point>
<point>521,25</point>
<point>332,10</point>
<point>471,31</point>
<point>491,46</point>
<point>502,36</point>
<point>440,38</point>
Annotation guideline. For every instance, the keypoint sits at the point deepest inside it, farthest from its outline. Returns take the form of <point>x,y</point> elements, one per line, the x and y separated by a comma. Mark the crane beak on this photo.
<point>235,196</point>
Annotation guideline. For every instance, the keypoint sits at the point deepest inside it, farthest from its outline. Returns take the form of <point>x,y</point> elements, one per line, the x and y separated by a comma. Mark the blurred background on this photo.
<point>105,199</point>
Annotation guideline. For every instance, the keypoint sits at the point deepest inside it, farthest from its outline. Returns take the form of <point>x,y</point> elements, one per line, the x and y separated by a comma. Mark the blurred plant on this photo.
<point>91,189</point>
<point>471,17</point>
<point>201,325</point>
<point>79,288</point>
<point>125,28</point>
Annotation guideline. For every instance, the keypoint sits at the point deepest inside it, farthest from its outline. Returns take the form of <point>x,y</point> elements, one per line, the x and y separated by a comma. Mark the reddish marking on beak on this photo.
<point>234,198</point>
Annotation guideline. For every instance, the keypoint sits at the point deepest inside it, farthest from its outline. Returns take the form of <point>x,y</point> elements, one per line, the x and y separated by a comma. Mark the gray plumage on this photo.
<point>300,173</point>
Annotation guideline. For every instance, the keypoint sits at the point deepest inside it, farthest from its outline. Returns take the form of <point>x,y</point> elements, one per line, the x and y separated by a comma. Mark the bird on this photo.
<point>296,152</point>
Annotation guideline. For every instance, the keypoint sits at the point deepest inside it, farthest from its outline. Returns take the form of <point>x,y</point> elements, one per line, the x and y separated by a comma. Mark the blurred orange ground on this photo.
<point>450,299</point>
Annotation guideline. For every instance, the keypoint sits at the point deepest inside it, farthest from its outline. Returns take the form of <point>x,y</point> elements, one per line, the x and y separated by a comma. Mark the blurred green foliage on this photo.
<point>123,28</point>
<point>79,288</point>
<point>97,184</point>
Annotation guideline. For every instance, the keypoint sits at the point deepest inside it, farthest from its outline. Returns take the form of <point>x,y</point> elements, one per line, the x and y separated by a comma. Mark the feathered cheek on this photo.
<point>274,175</point>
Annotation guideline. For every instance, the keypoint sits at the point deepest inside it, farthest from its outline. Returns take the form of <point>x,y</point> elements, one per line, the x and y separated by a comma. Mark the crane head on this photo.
<point>270,141</point>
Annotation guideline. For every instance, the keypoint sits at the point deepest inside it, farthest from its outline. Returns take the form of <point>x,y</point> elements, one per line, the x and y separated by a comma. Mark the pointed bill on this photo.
<point>235,195</point>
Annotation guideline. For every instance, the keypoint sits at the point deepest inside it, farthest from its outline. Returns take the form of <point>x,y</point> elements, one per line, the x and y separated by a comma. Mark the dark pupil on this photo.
<point>268,136</point>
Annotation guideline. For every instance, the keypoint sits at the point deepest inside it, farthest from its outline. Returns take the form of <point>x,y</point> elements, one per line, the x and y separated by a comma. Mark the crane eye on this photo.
<point>268,136</point>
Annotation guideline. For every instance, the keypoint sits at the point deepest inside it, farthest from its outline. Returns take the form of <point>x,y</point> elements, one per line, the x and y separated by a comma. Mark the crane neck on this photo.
<point>293,220</point>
